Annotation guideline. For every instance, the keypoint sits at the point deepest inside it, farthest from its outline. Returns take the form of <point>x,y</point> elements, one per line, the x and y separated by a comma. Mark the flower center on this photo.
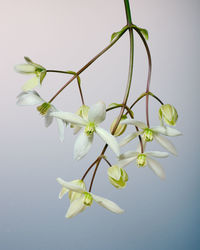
<point>141,160</point>
<point>44,108</point>
<point>148,135</point>
<point>90,128</point>
<point>88,199</point>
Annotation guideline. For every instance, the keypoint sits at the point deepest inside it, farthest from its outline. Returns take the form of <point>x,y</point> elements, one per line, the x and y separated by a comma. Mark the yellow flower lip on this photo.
<point>88,199</point>
<point>148,135</point>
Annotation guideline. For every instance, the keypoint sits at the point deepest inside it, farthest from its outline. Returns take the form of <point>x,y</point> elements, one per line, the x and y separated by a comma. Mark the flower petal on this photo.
<point>114,172</point>
<point>70,117</point>
<point>166,131</point>
<point>109,139</point>
<point>138,124</point>
<point>48,120</point>
<point>70,186</point>
<point>97,113</point>
<point>29,98</point>
<point>63,192</point>
<point>110,205</point>
<point>129,138</point>
<point>61,129</point>
<point>77,206</point>
<point>156,167</point>
<point>157,154</point>
<point>31,83</point>
<point>82,145</point>
<point>25,69</point>
<point>166,144</point>
<point>126,158</point>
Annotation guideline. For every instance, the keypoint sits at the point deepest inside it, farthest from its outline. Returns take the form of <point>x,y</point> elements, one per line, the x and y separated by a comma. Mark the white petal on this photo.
<point>166,144</point>
<point>156,167</point>
<point>61,129</point>
<point>125,162</point>
<point>29,98</point>
<point>109,139</point>
<point>166,131</point>
<point>76,129</point>
<point>70,186</point>
<point>114,172</point>
<point>110,205</point>
<point>63,192</point>
<point>82,145</point>
<point>138,124</point>
<point>157,154</point>
<point>70,117</point>
<point>97,113</point>
<point>31,83</point>
<point>25,68</point>
<point>126,158</point>
<point>77,206</point>
<point>129,138</point>
<point>48,120</point>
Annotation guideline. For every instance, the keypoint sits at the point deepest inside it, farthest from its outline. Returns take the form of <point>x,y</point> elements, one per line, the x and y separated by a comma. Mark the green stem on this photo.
<point>128,86</point>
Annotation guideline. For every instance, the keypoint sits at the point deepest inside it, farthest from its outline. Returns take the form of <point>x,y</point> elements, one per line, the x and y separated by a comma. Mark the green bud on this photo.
<point>117,176</point>
<point>120,128</point>
<point>141,160</point>
<point>90,128</point>
<point>148,135</point>
<point>74,195</point>
<point>169,114</point>
<point>88,199</point>
<point>44,108</point>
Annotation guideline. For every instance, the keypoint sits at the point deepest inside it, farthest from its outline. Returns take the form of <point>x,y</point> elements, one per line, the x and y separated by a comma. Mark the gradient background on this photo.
<point>65,34</point>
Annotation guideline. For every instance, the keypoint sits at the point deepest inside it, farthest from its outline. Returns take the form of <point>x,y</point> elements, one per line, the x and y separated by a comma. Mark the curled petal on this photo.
<point>82,145</point>
<point>110,205</point>
<point>63,192</point>
<point>29,98</point>
<point>77,206</point>
<point>157,154</point>
<point>166,131</point>
<point>109,139</point>
<point>129,138</point>
<point>97,113</point>
<point>70,186</point>
<point>70,117</point>
<point>166,144</point>
<point>156,167</point>
<point>138,124</point>
<point>31,83</point>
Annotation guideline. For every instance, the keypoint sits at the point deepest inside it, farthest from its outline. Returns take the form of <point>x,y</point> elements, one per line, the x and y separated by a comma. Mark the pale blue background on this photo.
<point>65,34</point>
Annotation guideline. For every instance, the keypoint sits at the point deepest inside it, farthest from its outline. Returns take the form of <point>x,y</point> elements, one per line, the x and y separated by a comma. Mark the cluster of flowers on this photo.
<point>87,122</point>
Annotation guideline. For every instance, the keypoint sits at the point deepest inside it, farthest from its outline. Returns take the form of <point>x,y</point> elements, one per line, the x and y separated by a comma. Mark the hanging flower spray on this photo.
<point>87,122</point>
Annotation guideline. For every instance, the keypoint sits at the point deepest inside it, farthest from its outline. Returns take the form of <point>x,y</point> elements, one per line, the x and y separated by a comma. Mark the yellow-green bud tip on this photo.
<point>88,199</point>
<point>44,108</point>
<point>141,160</point>
<point>169,114</point>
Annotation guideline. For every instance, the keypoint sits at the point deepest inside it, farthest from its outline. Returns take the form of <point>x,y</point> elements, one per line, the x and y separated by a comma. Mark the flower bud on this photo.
<point>44,108</point>
<point>74,195</point>
<point>117,176</point>
<point>88,199</point>
<point>120,128</point>
<point>141,160</point>
<point>169,114</point>
<point>148,135</point>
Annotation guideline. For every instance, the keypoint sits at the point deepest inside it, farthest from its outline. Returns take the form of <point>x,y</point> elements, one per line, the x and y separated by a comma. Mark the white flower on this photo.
<point>29,98</point>
<point>143,159</point>
<point>152,133</point>
<point>80,198</point>
<point>90,123</point>
<point>31,68</point>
